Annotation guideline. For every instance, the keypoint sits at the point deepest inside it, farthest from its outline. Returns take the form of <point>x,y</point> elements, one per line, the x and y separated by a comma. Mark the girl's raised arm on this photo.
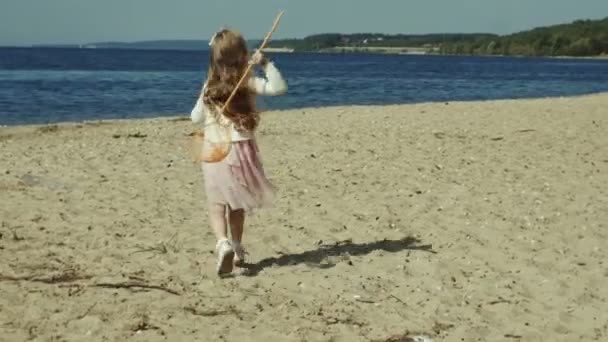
<point>274,83</point>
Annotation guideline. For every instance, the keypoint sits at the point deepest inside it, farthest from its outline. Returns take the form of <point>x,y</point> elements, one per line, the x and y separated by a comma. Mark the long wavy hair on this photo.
<point>228,61</point>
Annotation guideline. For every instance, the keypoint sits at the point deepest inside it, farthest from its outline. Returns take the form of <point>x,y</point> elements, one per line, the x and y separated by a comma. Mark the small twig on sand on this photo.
<point>65,277</point>
<point>398,299</point>
<point>135,285</point>
<point>364,300</point>
<point>162,247</point>
<point>525,130</point>
<point>86,313</point>
<point>345,321</point>
<point>500,300</point>
<point>130,135</point>
<point>72,276</point>
<point>517,337</point>
<point>213,312</point>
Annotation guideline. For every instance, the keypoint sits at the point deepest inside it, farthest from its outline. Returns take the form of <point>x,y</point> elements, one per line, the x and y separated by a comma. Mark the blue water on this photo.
<point>55,85</point>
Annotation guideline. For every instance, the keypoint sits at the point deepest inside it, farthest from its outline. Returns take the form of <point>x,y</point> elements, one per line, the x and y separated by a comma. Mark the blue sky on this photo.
<point>24,22</point>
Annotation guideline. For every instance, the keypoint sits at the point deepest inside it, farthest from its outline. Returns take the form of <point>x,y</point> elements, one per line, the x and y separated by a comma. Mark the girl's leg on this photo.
<point>237,221</point>
<point>217,219</point>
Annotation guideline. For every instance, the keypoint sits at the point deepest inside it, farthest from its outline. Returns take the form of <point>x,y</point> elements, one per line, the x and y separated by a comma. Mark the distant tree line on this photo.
<point>331,40</point>
<point>579,38</point>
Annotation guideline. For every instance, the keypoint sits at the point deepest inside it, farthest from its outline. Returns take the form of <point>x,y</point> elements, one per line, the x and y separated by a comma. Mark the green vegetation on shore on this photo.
<point>579,38</point>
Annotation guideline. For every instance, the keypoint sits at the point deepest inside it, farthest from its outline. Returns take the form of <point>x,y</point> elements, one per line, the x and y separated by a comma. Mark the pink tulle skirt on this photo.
<point>239,180</point>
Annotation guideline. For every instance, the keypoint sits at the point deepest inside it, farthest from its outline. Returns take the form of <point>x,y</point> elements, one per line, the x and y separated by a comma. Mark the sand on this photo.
<point>475,221</point>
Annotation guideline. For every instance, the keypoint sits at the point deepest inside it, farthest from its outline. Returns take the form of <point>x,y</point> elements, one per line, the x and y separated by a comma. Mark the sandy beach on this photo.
<point>473,221</point>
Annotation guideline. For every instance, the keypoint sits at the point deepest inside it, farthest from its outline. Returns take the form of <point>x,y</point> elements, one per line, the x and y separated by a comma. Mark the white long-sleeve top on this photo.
<point>272,85</point>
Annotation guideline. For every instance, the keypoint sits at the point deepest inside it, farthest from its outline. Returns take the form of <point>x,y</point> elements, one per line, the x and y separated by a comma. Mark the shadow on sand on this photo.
<point>317,257</point>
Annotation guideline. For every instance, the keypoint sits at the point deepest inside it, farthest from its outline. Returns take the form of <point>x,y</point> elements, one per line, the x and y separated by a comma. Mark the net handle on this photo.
<point>264,42</point>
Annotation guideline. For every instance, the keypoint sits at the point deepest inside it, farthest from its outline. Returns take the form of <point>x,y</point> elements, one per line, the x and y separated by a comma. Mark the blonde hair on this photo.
<point>228,61</point>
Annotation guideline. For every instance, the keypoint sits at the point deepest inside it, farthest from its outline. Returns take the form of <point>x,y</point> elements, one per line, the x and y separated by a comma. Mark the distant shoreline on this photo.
<point>336,50</point>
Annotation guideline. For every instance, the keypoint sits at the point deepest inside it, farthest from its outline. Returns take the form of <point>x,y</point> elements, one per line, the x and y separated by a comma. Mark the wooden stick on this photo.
<point>65,277</point>
<point>264,42</point>
<point>136,284</point>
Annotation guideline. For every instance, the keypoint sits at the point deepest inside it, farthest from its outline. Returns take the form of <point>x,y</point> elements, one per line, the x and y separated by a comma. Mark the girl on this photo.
<point>235,182</point>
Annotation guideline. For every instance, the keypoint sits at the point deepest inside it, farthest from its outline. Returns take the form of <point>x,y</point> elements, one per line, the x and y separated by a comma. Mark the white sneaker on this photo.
<point>225,257</point>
